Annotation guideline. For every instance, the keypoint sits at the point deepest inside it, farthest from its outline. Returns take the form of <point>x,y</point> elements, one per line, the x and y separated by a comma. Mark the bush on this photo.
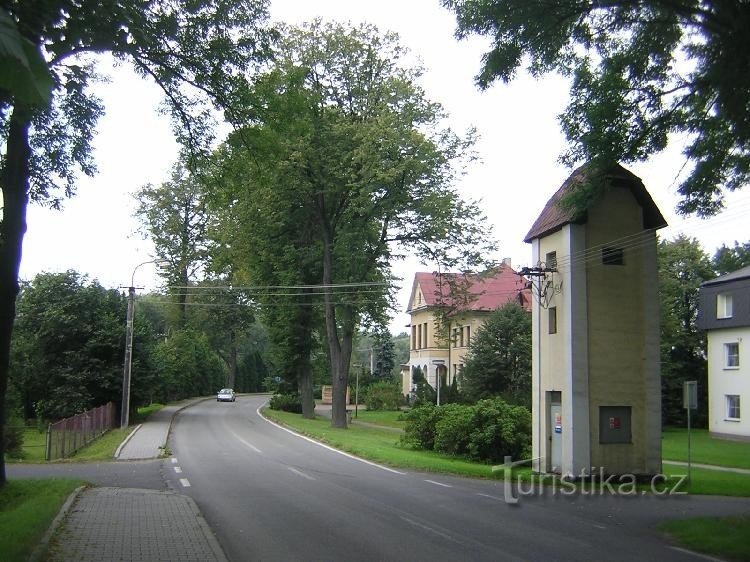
<point>287,403</point>
<point>453,429</point>
<point>419,431</point>
<point>486,431</point>
<point>500,429</point>
<point>13,437</point>
<point>383,396</point>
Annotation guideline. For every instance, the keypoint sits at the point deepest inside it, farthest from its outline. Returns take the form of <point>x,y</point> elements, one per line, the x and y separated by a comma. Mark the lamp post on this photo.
<point>125,408</point>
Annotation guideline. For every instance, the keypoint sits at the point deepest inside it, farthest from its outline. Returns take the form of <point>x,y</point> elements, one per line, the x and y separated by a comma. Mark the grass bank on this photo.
<point>728,537</point>
<point>27,508</point>
<point>704,448</point>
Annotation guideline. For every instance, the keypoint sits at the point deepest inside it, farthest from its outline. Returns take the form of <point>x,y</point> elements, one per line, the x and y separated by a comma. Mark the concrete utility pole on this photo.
<point>127,367</point>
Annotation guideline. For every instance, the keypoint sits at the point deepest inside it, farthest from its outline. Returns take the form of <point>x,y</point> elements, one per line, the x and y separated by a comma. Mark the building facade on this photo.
<point>446,311</point>
<point>724,312</point>
<point>596,403</point>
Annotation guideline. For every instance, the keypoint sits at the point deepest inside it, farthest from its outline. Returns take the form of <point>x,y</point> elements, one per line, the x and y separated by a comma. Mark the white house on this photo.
<point>724,312</point>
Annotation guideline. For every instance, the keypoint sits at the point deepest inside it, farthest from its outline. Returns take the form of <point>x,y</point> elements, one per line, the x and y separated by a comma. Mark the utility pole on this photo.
<point>127,367</point>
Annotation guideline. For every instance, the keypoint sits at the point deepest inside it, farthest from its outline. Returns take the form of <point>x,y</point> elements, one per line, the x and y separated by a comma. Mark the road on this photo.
<point>272,495</point>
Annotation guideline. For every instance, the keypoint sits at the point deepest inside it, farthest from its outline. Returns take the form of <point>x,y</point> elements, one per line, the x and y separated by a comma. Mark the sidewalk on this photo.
<point>98,524</point>
<point>147,440</point>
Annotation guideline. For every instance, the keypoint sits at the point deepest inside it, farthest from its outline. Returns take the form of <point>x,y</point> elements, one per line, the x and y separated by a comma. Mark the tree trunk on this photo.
<point>305,386</point>
<point>339,375</point>
<point>14,181</point>
<point>232,359</point>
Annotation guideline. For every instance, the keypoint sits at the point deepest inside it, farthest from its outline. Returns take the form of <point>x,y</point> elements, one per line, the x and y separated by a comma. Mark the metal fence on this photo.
<point>67,436</point>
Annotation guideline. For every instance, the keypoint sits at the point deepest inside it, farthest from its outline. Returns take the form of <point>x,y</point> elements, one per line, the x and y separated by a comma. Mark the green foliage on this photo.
<point>424,393</point>
<point>419,431</point>
<point>287,403</point>
<point>683,266</point>
<point>498,362</point>
<point>188,366</point>
<point>641,71</point>
<point>486,431</point>
<point>68,346</point>
<point>13,436</point>
<point>383,396</point>
<point>728,259</point>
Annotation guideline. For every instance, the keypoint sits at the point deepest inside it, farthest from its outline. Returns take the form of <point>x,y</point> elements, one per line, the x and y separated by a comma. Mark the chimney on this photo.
<point>507,262</point>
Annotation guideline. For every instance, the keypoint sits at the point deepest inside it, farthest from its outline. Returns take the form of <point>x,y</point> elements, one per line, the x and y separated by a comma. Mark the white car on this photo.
<point>225,395</point>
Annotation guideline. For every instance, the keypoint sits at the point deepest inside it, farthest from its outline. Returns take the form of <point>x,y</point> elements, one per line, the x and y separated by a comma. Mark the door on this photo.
<point>555,438</point>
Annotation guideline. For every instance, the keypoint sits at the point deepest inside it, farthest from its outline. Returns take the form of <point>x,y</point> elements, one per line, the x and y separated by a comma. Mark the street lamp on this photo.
<point>125,409</point>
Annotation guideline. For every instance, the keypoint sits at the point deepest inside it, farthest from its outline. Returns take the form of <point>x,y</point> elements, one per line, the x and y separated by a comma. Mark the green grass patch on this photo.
<point>382,446</point>
<point>27,507</point>
<point>145,411</point>
<point>704,448</point>
<point>710,482</point>
<point>728,537</point>
<point>387,419</point>
<point>33,448</point>
<point>102,449</point>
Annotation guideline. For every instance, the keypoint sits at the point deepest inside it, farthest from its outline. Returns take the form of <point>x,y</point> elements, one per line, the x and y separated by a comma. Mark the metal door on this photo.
<point>555,429</point>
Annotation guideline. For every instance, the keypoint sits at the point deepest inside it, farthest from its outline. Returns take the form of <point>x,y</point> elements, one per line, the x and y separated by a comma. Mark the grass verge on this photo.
<point>145,411</point>
<point>386,419</point>
<point>728,537</point>
<point>710,482</point>
<point>704,448</point>
<point>27,507</point>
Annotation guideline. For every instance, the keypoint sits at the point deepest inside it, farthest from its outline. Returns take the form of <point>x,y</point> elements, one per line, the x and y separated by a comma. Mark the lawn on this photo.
<point>728,537</point>
<point>710,482</point>
<point>27,507</point>
<point>387,419</point>
<point>704,448</point>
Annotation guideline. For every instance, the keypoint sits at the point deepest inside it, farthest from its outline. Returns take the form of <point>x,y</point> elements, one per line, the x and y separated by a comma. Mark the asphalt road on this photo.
<point>272,495</point>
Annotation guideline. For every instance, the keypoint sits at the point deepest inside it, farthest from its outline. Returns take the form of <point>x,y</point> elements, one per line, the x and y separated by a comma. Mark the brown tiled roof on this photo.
<point>554,216</point>
<point>488,292</point>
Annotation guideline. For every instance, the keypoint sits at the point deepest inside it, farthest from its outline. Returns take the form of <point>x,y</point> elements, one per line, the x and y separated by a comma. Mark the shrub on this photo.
<point>419,431</point>
<point>13,437</point>
<point>499,429</point>
<point>287,403</point>
<point>453,429</point>
<point>383,396</point>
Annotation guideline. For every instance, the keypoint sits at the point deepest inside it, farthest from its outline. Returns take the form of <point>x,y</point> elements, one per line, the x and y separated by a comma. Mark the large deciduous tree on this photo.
<point>342,138</point>
<point>731,258</point>
<point>640,72</point>
<point>195,50</point>
<point>683,266</point>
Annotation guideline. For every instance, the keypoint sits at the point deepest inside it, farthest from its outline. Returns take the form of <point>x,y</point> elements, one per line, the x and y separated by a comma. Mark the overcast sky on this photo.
<point>520,141</point>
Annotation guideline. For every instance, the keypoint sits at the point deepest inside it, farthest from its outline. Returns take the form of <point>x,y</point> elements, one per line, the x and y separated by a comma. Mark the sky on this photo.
<point>517,171</point>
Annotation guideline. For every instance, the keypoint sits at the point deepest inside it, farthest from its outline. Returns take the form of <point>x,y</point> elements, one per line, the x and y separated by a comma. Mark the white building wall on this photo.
<point>723,381</point>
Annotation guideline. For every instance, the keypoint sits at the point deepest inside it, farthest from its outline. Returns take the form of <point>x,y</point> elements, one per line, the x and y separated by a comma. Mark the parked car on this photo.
<point>225,395</point>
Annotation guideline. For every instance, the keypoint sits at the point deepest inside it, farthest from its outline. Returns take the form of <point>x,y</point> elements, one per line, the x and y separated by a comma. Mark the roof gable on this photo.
<point>554,216</point>
<point>486,292</point>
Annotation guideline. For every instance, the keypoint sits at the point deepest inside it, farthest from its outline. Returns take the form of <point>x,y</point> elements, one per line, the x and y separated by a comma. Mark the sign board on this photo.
<point>558,422</point>
<point>690,395</point>
<point>326,394</point>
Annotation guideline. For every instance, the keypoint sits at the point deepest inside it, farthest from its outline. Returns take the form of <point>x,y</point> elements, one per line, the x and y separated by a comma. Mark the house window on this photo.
<point>424,341</point>
<point>551,260</point>
<point>414,337</point>
<point>732,355</point>
<point>733,406</point>
<point>612,256</point>
<point>455,337</point>
<point>461,337</point>
<point>552,320</point>
<point>724,305</point>
<point>468,336</point>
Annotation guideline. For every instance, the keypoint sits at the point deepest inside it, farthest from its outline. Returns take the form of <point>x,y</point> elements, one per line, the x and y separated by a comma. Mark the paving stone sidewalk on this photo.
<point>131,524</point>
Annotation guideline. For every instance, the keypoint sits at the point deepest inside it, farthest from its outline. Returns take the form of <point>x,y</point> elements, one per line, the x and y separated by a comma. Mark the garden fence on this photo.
<point>67,436</point>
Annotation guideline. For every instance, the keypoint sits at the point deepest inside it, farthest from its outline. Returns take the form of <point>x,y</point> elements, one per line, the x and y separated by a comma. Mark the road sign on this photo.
<point>690,395</point>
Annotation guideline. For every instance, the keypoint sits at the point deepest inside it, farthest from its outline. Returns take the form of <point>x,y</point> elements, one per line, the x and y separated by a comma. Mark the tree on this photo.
<point>683,266</point>
<point>498,362</point>
<point>728,259</point>
<point>346,141</point>
<point>67,350</point>
<point>640,72</point>
<point>195,50</point>
<point>173,215</point>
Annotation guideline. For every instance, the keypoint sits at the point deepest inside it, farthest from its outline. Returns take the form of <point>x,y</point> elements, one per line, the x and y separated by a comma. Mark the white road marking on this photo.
<point>185,482</point>
<point>439,484</point>
<point>319,444</point>
<point>300,473</point>
<point>429,529</point>
<point>174,460</point>
<point>178,469</point>
<point>598,526</point>
<point>491,497</point>
<point>696,554</point>
<point>247,443</point>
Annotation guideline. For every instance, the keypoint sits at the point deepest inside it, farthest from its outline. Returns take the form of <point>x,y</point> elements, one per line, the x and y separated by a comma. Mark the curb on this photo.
<point>125,441</point>
<point>40,550</point>
<point>207,532</point>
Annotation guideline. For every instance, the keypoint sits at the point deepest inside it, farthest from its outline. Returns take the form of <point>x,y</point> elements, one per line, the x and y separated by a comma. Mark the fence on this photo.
<point>67,436</point>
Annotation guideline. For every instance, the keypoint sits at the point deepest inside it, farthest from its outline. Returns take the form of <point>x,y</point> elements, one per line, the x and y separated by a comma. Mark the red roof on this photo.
<point>486,292</point>
<point>554,217</point>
